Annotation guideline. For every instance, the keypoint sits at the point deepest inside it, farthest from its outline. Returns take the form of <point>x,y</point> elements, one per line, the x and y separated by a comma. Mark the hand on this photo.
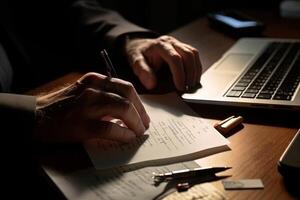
<point>80,111</point>
<point>147,55</point>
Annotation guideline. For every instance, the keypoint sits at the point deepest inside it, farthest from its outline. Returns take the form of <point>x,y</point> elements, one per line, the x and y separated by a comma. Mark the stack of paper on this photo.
<point>176,134</point>
<point>115,183</point>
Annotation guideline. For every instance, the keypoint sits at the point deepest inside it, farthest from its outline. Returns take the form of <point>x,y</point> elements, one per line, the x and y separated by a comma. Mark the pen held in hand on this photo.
<point>110,70</point>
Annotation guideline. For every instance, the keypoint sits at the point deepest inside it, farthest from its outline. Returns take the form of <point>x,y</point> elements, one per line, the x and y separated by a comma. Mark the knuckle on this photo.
<point>91,75</point>
<point>137,61</point>
<point>187,53</point>
<point>128,85</point>
<point>90,78</point>
<point>128,88</point>
<point>159,43</point>
<point>195,51</point>
<point>175,57</point>
<point>166,38</point>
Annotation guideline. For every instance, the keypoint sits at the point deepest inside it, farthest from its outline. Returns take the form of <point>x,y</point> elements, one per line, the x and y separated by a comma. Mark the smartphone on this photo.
<point>235,23</point>
<point>289,162</point>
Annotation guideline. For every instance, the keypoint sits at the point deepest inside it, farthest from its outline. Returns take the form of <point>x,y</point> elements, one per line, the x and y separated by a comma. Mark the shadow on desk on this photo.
<point>292,187</point>
<point>63,158</point>
<point>262,116</point>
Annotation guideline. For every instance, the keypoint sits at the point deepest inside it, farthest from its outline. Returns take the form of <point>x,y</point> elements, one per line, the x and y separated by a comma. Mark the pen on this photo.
<point>185,173</point>
<point>111,72</point>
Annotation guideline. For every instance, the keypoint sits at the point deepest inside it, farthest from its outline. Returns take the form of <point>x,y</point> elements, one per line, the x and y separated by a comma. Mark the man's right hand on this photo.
<point>80,111</point>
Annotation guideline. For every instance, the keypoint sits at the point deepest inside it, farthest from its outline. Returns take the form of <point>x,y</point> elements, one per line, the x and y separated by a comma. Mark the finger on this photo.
<point>110,131</point>
<point>197,62</point>
<point>126,90</point>
<point>174,60</point>
<point>188,62</point>
<point>143,71</point>
<point>172,40</point>
<point>120,87</point>
<point>109,104</point>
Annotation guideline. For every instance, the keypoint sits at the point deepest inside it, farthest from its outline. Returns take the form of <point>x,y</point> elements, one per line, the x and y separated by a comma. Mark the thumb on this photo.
<point>144,72</point>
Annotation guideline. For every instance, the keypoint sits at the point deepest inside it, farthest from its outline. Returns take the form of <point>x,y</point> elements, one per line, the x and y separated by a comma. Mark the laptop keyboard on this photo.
<point>274,75</point>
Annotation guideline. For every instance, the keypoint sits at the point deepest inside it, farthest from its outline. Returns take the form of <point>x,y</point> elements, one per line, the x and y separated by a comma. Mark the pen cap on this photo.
<point>232,123</point>
<point>228,124</point>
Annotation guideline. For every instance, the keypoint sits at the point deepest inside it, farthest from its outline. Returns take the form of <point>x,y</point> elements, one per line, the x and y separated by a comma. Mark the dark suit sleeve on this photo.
<point>17,114</point>
<point>103,25</point>
<point>17,117</point>
<point>99,28</point>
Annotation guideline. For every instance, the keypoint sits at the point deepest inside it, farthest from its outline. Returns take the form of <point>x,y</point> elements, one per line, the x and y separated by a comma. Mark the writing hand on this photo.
<point>147,55</point>
<point>78,112</point>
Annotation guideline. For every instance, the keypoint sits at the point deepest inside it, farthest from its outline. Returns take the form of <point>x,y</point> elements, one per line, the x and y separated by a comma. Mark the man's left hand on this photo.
<point>146,56</point>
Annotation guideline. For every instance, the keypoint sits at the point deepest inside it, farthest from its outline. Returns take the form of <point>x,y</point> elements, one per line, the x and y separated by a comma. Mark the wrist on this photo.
<point>129,37</point>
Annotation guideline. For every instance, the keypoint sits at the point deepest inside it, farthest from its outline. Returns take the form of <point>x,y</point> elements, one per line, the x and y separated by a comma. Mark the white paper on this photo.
<point>176,134</point>
<point>204,191</point>
<point>115,184</point>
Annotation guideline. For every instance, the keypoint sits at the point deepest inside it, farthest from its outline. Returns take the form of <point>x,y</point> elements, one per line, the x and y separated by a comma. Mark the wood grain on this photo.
<point>256,148</point>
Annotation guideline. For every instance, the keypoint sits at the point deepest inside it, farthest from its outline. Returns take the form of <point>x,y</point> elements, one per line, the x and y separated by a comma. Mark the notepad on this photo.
<point>176,134</point>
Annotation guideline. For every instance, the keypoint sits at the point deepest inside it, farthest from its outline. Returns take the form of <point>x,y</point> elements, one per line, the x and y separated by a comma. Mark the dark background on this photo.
<point>166,15</point>
<point>45,47</point>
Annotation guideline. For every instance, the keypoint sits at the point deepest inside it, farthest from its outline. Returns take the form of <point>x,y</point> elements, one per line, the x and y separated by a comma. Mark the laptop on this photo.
<point>254,72</point>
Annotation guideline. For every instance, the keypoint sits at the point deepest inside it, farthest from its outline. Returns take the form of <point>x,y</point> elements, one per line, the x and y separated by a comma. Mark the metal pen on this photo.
<point>185,173</point>
<point>110,70</point>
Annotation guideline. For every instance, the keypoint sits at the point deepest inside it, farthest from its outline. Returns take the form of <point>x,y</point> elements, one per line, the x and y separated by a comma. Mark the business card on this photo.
<point>242,184</point>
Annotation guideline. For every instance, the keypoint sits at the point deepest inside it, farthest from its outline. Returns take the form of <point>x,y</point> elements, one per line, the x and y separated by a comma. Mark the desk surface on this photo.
<point>257,147</point>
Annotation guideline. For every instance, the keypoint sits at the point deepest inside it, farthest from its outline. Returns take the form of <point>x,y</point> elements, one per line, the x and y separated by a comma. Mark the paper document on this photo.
<point>176,134</point>
<point>204,191</point>
<point>115,184</point>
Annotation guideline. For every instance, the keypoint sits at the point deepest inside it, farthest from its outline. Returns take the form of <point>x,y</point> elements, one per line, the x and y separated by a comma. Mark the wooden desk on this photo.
<point>257,147</point>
